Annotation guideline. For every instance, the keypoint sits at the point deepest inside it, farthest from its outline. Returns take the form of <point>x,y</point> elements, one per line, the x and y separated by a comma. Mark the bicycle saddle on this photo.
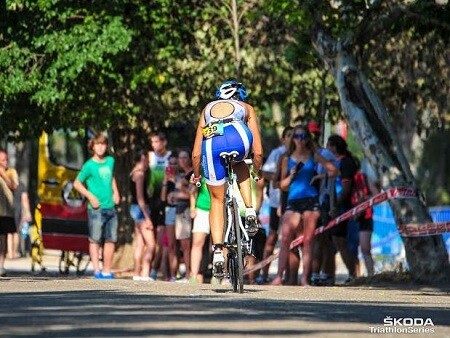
<point>231,154</point>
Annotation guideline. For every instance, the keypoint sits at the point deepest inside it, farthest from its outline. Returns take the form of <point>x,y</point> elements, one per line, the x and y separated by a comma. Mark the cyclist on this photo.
<point>227,124</point>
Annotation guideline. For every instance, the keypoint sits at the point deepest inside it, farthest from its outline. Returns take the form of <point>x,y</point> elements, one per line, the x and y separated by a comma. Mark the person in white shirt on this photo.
<point>269,170</point>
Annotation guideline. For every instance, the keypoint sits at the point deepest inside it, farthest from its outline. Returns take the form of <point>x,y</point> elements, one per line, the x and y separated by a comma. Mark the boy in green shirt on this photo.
<point>102,194</point>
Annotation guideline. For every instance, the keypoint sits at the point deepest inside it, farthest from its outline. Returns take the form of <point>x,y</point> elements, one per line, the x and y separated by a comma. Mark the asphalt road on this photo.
<point>55,306</point>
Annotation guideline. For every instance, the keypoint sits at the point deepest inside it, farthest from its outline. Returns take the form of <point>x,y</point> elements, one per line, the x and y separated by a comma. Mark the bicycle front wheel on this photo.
<point>239,258</point>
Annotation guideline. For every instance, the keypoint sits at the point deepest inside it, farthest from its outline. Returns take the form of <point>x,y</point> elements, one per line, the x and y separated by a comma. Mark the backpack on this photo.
<point>360,191</point>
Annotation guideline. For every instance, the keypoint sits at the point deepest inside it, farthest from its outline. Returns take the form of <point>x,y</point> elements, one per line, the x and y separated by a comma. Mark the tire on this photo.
<point>82,262</point>
<point>64,263</point>
<point>238,255</point>
<point>232,270</point>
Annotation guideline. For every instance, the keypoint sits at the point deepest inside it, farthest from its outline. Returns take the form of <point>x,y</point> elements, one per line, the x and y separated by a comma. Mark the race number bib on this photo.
<point>213,130</point>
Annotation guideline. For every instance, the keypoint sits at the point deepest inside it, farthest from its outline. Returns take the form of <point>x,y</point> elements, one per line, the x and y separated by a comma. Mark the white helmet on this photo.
<point>231,89</point>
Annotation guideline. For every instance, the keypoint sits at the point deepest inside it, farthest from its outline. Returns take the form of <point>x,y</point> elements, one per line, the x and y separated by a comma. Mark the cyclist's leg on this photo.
<point>243,179</point>
<point>216,220</point>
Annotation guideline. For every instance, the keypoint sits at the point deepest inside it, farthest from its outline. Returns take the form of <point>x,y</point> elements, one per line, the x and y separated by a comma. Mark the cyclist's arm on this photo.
<point>253,125</point>
<point>197,149</point>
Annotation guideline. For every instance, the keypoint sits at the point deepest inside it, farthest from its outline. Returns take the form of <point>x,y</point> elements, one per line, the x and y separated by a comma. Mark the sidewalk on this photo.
<point>51,263</point>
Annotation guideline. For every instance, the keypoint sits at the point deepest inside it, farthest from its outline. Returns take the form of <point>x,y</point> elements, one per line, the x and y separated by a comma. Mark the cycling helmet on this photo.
<point>231,90</point>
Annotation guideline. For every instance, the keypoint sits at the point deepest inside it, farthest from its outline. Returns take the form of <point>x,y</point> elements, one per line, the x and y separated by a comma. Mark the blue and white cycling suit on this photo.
<point>236,137</point>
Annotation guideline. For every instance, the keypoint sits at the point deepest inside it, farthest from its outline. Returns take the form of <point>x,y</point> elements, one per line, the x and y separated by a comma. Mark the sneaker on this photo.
<point>137,278</point>
<point>2,272</point>
<point>261,280</point>
<point>218,264</point>
<point>101,275</point>
<point>315,279</point>
<point>193,280</point>
<point>173,279</point>
<point>154,274</point>
<point>147,279</point>
<point>251,222</point>
<point>215,281</point>
<point>326,280</point>
<point>349,281</point>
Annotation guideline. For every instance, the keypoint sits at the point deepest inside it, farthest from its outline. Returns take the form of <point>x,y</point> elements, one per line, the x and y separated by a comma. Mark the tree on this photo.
<point>368,117</point>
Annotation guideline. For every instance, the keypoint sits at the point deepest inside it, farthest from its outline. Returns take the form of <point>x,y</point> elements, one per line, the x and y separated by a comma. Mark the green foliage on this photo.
<point>68,64</point>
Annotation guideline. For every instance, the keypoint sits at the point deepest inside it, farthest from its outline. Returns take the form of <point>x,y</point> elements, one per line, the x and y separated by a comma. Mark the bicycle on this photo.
<point>236,239</point>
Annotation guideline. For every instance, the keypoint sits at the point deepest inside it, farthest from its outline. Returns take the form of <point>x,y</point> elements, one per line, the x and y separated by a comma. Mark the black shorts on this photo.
<point>158,213</point>
<point>365,224</point>
<point>339,230</point>
<point>274,222</point>
<point>303,204</point>
<point>7,225</point>
<point>258,243</point>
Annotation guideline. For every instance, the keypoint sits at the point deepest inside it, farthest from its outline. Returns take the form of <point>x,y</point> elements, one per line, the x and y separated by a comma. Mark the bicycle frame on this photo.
<point>236,239</point>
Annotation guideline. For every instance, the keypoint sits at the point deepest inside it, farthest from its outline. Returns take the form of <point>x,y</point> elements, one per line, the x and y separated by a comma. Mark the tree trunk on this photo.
<point>367,117</point>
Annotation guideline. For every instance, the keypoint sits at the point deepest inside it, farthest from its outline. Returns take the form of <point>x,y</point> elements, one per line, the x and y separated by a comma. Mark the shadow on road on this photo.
<point>116,313</point>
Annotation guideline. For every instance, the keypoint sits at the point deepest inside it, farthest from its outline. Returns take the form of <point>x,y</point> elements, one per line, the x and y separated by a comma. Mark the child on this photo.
<point>102,194</point>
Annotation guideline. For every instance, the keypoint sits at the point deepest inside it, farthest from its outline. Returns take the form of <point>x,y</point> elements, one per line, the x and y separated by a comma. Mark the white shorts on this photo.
<point>201,221</point>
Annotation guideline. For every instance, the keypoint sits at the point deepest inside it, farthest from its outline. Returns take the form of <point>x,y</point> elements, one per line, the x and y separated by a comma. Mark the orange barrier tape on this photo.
<point>408,230</point>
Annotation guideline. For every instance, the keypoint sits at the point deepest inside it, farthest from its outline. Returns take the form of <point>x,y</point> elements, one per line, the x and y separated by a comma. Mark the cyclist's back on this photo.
<point>229,118</point>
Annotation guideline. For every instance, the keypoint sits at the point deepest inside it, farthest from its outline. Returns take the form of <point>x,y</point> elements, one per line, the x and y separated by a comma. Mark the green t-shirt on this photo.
<point>98,177</point>
<point>203,199</point>
<point>240,200</point>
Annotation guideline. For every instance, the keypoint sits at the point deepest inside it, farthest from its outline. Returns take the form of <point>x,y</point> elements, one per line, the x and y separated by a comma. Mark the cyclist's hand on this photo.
<point>196,180</point>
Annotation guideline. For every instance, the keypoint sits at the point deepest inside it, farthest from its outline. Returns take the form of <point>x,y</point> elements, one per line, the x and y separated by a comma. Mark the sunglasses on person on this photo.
<point>301,136</point>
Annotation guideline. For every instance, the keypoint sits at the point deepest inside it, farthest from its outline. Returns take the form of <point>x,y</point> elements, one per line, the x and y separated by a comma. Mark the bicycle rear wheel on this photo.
<point>239,258</point>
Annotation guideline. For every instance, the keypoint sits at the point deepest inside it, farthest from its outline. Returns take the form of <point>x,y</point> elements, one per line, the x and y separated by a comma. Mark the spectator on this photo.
<point>8,184</point>
<point>140,212</point>
<point>18,242</point>
<point>323,266</point>
<point>269,170</point>
<point>347,168</point>
<point>200,203</point>
<point>258,240</point>
<point>183,223</point>
<point>158,160</point>
<point>102,194</point>
<point>363,189</point>
<point>298,174</point>
<point>168,197</point>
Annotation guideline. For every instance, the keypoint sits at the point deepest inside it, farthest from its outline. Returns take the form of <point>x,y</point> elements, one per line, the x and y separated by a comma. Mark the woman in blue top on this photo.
<point>302,211</point>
